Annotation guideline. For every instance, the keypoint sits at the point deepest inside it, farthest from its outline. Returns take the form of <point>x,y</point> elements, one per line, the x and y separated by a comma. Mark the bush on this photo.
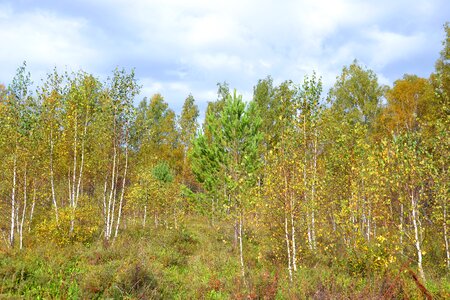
<point>134,279</point>
<point>32,276</point>
<point>97,280</point>
<point>370,259</point>
<point>85,228</point>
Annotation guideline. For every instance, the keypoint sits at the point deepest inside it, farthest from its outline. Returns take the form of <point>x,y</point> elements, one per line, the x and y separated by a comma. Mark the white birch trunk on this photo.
<point>52,180</point>
<point>17,214</point>
<point>374,229</point>
<point>308,221</point>
<point>108,209</point>
<point>447,250</point>
<point>369,216</point>
<point>119,214</point>
<point>74,176</point>
<point>313,195</point>
<point>236,234</point>
<point>24,209</point>
<point>294,246</point>
<point>74,172</point>
<point>289,205</point>
<point>145,216</point>
<point>32,207</point>
<point>288,247</point>
<point>114,200</point>
<point>105,188</point>
<point>305,184</point>
<point>416,234</point>
<point>13,203</point>
<point>401,228</point>
<point>77,195</point>
<point>69,184</point>
<point>313,229</point>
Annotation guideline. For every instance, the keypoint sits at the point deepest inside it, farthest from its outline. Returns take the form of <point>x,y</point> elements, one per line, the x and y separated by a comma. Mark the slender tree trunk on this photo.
<point>313,229</point>
<point>52,180</point>
<point>294,246</point>
<point>108,210</point>
<point>402,226</point>
<point>352,211</point>
<point>122,192</point>
<point>369,223</point>
<point>236,234</point>
<point>13,202</point>
<point>241,249</point>
<point>80,175</point>
<point>289,206</point>
<point>288,247</point>
<point>374,229</point>
<point>17,214</point>
<point>417,234</point>
<point>24,209</point>
<point>236,225</point>
<point>76,192</point>
<point>313,194</point>
<point>32,207</point>
<point>105,189</point>
<point>145,216</point>
<point>305,184</point>
<point>74,175</point>
<point>113,209</point>
<point>362,210</point>
<point>447,250</point>
<point>308,202</point>
<point>69,183</point>
<point>308,221</point>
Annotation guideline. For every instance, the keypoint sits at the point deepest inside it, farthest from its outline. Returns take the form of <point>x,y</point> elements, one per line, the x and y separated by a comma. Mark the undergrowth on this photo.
<point>195,261</point>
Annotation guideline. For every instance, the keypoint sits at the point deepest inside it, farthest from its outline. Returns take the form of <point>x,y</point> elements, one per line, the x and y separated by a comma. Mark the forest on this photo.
<point>297,193</point>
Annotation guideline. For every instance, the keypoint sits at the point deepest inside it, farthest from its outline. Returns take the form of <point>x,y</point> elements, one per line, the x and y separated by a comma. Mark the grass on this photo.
<point>195,261</point>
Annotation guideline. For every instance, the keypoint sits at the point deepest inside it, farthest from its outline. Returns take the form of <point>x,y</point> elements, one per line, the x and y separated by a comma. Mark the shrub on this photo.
<point>85,228</point>
<point>135,279</point>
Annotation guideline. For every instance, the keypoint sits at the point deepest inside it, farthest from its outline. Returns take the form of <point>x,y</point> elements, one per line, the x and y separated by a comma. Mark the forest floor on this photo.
<point>195,261</point>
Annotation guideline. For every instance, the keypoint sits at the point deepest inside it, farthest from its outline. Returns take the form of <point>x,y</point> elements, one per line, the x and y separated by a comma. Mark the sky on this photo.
<point>180,47</point>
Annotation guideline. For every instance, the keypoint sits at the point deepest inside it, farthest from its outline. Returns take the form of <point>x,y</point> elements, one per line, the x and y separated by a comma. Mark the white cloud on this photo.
<point>387,47</point>
<point>150,86</point>
<point>45,40</point>
<point>181,47</point>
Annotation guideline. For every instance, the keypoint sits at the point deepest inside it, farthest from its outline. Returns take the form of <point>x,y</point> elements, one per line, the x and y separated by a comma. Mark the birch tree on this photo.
<point>79,113</point>
<point>188,128</point>
<point>121,90</point>
<point>21,119</point>
<point>51,95</point>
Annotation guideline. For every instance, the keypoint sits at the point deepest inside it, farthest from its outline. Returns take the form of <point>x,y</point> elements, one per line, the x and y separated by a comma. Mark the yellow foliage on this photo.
<point>85,228</point>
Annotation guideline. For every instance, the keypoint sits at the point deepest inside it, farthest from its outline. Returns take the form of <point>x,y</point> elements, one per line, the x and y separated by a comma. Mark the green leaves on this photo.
<point>226,155</point>
<point>331,177</point>
<point>162,172</point>
<point>188,122</point>
<point>357,94</point>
